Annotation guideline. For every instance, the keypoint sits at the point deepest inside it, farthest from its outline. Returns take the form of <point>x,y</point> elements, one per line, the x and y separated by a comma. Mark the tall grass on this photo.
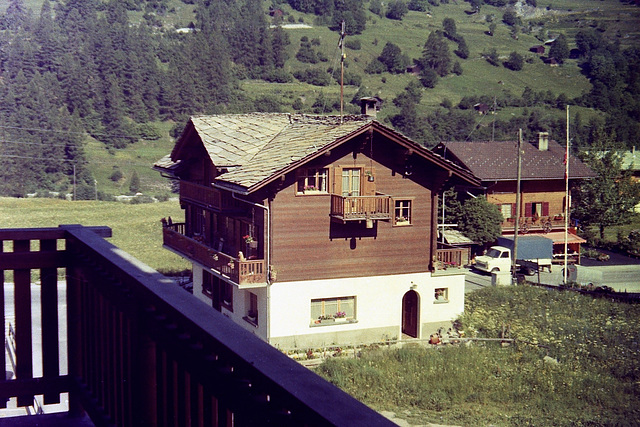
<point>591,377</point>
<point>136,228</point>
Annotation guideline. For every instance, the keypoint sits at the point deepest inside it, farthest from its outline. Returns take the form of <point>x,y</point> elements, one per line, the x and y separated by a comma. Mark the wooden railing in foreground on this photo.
<point>360,207</point>
<point>143,352</point>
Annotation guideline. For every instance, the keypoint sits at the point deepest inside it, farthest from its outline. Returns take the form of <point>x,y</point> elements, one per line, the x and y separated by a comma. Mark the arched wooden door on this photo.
<point>410,314</point>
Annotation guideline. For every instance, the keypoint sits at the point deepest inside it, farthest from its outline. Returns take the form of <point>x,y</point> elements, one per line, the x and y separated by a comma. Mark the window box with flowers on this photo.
<point>333,311</point>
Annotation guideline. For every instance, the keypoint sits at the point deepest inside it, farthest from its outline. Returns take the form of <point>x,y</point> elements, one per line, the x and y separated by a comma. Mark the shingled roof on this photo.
<point>497,160</point>
<point>258,146</point>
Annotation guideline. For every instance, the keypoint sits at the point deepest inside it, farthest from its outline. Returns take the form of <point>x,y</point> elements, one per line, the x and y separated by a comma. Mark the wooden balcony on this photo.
<point>202,195</point>
<point>245,274</point>
<point>142,351</point>
<point>451,260</point>
<point>531,224</point>
<point>359,208</point>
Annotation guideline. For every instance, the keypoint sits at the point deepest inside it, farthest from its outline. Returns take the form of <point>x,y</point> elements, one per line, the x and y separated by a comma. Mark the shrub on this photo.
<point>116,175</point>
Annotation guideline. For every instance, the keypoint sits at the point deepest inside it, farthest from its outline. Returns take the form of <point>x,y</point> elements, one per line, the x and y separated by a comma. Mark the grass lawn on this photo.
<point>582,366</point>
<point>136,228</point>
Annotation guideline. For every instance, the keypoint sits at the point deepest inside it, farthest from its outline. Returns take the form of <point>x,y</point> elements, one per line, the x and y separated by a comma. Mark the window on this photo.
<point>402,212</point>
<point>536,209</point>
<point>332,310</point>
<point>207,284</point>
<point>312,181</point>
<point>252,308</point>
<point>507,210</point>
<point>226,293</point>
<point>441,295</point>
<point>350,182</point>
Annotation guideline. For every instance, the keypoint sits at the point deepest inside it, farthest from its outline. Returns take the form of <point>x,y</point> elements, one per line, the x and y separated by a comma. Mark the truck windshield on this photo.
<point>494,253</point>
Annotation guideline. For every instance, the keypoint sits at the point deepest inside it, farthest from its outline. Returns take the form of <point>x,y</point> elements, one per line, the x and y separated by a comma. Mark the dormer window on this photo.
<point>312,181</point>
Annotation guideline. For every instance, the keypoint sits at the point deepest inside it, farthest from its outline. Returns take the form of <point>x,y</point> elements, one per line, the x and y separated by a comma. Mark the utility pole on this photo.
<point>342,72</point>
<point>517,221</point>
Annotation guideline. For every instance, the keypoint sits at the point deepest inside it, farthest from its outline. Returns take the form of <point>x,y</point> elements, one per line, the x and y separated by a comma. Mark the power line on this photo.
<point>69,131</point>
<point>14,156</point>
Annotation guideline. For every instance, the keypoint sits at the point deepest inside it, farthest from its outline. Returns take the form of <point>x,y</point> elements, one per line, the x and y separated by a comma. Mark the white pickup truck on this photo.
<point>535,254</point>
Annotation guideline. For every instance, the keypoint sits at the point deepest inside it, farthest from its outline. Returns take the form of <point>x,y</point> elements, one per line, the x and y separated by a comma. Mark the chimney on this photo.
<point>543,141</point>
<point>370,106</point>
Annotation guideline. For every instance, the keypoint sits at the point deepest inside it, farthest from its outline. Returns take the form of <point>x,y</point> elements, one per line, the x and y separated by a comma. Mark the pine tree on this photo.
<point>134,184</point>
<point>435,54</point>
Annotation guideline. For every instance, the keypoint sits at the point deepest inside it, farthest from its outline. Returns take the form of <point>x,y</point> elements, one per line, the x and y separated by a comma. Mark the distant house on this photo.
<point>314,230</point>
<point>276,13</point>
<point>481,108</point>
<point>552,62</point>
<point>542,195</point>
<point>539,49</point>
<point>414,69</point>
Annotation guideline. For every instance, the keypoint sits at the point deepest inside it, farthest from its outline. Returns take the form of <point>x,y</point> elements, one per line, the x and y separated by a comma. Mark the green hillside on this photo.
<point>111,167</point>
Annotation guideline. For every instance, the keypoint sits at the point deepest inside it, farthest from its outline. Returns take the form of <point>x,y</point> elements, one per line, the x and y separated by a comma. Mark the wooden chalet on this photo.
<point>313,229</point>
<point>542,195</point>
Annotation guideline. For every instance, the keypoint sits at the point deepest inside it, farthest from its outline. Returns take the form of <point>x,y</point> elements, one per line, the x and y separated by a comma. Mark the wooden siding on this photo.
<point>308,245</point>
<point>550,192</point>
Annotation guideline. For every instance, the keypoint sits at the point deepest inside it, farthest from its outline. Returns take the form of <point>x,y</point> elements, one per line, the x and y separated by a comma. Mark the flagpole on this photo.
<point>566,203</point>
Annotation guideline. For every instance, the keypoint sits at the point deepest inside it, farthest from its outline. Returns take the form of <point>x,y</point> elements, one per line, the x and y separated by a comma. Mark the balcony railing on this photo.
<point>200,194</point>
<point>247,273</point>
<point>527,224</point>
<point>141,350</point>
<point>452,258</point>
<point>357,208</point>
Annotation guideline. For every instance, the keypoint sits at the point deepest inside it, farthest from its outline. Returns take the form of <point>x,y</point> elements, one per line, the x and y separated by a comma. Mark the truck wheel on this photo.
<point>529,271</point>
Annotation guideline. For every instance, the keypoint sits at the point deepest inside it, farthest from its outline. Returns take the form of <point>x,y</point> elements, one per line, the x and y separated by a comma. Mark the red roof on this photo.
<point>497,161</point>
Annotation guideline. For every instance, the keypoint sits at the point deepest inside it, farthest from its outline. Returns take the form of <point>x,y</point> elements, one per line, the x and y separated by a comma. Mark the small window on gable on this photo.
<point>402,214</point>
<point>312,181</point>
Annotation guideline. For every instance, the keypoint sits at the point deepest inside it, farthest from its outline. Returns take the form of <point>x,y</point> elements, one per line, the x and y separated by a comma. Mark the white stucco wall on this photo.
<point>378,306</point>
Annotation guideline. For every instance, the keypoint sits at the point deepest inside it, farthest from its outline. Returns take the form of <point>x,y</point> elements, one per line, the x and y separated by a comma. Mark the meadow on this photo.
<point>136,227</point>
<point>576,361</point>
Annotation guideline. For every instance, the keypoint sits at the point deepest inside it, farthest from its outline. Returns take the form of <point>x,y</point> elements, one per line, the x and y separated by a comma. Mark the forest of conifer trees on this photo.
<point>79,68</point>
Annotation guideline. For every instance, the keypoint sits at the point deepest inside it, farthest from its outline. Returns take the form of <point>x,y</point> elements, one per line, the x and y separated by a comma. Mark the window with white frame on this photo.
<point>441,295</point>
<point>402,212</point>
<point>329,310</point>
<point>351,182</point>
<point>312,180</point>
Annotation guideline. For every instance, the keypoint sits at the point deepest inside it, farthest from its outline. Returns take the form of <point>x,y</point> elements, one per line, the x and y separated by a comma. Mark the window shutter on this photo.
<point>336,185</point>
<point>513,210</point>
<point>545,208</point>
<point>369,187</point>
<point>528,209</point>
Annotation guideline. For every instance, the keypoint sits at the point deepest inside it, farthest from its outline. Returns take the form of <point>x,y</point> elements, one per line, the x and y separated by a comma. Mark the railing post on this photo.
<point>22,294</point>
<point>145,397</point>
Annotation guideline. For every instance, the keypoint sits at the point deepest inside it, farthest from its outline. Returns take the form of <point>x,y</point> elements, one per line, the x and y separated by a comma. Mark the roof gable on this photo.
<point>497,160</point>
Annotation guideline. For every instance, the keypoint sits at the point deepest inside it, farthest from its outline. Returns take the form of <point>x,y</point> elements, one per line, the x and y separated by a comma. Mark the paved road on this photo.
<point>621,277</point>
